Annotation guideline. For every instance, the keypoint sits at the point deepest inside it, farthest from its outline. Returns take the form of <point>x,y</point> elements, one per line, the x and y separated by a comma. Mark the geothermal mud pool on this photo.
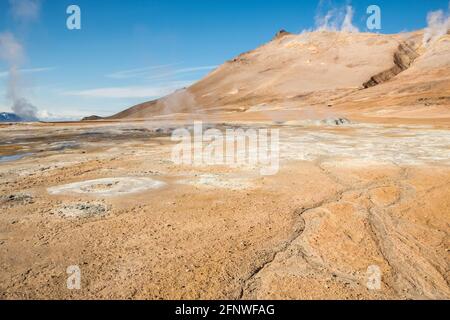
<point>108,187</point>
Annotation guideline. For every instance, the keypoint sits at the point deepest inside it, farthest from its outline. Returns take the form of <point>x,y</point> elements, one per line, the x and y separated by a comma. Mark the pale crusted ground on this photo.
<point>344,199</point>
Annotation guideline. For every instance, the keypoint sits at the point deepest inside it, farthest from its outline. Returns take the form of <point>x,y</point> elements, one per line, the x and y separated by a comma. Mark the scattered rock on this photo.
<point>336,121</point>
<point>16,199</point>
<point>281,34</point>
<point>164,131</point>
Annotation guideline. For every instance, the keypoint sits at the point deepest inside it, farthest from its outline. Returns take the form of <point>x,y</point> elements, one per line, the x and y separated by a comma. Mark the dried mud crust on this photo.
<point>411,271</point>
<point>82,210</point>
<point>311,231</point>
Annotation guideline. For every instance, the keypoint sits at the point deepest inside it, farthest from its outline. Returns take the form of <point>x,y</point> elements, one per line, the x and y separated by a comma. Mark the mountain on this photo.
<point>9,117</point>
<point>361,75</point>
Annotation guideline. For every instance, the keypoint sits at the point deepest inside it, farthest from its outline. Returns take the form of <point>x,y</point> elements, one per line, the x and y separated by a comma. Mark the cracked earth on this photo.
<point>141,227</point>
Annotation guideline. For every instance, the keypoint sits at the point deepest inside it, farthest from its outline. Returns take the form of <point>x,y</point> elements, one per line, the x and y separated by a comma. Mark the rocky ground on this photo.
<point>107,198</point>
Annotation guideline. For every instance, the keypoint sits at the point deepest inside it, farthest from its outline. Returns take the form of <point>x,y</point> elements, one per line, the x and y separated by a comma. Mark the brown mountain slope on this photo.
<point>372,75</point>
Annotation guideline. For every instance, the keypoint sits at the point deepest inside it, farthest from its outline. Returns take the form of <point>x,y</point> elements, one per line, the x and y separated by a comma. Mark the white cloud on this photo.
<point>177,72</point>
<point>157,72</point>
<point>25,10</point>
<point>46,115</point>
<point>31,70</point>
<point>130,92</point>
<point>138,72</point>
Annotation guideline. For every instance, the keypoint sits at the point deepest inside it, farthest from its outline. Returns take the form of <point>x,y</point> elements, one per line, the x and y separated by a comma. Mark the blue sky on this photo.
<point>133,51</point>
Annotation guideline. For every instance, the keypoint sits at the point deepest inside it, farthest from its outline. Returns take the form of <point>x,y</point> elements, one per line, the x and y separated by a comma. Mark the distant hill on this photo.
<point>10,117</point>
<point>91,118</point>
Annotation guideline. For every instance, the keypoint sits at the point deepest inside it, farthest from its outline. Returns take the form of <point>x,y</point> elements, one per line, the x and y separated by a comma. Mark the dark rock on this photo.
<point>336,121</point>
<point>92,118</point>
<point>281,34</point>
<point>16,199</point>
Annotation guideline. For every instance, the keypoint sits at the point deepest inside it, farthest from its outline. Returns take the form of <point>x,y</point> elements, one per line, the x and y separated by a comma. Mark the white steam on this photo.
<point>438,25</point>
<point>179,101</point>
<point>327,22</point>
<point>11,51</point>
<point>347,25</point>
<point>335,18</point>
<point>25,109</point>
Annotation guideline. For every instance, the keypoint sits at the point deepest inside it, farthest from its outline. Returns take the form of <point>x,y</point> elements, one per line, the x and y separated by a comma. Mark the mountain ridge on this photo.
<point>10,117</point>
<point>319,69</point>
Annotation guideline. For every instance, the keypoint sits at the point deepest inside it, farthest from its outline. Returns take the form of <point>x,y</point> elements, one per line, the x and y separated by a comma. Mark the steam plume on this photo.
<point>179,101</point>
<point>438,25</point>
<point>25,110</point>
<point>11,51</point>
<point>335,19</point>
<point>347,25</point>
